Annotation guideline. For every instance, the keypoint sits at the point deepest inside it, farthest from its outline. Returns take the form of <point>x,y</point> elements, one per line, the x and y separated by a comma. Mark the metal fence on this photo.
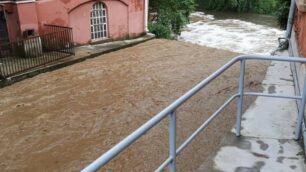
<point>20,56</point>
<point>170,112</point>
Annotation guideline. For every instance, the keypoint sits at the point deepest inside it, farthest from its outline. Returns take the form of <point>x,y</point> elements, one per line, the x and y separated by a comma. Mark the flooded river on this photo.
<point>241,33</point>
<point>64,119</point>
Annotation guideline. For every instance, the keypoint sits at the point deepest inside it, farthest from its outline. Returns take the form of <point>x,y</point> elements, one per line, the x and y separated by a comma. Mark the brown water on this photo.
<point>266,20</point>
<point>242,33</point>
<point>65,119</point>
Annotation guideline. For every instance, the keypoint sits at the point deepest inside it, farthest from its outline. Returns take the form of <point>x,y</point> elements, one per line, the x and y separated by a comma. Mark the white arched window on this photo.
<point>98,21</point>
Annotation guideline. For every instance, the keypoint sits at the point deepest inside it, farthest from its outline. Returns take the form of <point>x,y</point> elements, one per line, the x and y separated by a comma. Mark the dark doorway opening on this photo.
<point>3,28</point>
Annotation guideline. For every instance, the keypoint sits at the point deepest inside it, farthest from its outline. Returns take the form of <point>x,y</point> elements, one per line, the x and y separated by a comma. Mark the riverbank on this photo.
<point>64,119</point>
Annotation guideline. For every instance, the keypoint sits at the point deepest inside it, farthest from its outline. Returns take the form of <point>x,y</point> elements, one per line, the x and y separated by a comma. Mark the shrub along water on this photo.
<point>172,15</point>
<point>283,12</point>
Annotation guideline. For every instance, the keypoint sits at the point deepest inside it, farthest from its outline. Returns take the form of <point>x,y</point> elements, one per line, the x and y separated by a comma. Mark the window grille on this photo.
<point>99,22</point>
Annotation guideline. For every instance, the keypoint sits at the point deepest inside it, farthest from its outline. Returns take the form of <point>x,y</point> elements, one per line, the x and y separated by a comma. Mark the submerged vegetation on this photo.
<point>172,15</point>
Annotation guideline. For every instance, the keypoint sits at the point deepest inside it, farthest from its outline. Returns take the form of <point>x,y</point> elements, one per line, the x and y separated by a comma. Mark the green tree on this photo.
<point>172,15</point>
<point>283,12</point>
<point>279,8</point>
<point>257,6</point>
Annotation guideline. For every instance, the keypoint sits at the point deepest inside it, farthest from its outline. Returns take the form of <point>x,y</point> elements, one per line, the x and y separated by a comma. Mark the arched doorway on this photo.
<point>98,20</point>
<point>3,28</point>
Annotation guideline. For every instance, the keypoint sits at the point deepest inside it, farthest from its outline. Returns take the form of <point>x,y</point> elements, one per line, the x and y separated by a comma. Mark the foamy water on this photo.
<point>231,34</point>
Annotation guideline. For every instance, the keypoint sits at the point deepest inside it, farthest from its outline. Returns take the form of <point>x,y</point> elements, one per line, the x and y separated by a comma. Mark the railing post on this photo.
<point>301,113</point>
<point>240,99</point>
<point>172,141</point>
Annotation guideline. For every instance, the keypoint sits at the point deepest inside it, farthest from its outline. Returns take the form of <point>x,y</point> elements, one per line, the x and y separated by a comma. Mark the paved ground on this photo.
<point>267,143</point>
<point>89,50</point>
<point>63,120</point>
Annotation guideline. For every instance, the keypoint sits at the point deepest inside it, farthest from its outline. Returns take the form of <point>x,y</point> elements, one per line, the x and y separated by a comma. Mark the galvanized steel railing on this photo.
<point>170,111</point>
<point>23,55</point>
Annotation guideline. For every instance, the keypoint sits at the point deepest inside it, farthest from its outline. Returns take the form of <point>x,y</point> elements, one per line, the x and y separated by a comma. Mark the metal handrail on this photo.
<point>171,112</point>
<point>27,54</point>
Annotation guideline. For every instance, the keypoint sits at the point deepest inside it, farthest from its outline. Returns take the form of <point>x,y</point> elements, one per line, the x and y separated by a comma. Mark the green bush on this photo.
<point>283,12</point>
<point>160,30</point>
<point>172,15</point>
<point>256,6</point>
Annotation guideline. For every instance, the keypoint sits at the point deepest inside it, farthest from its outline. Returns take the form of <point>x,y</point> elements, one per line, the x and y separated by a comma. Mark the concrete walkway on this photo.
<point>267,143</point>
<point>98,49</point>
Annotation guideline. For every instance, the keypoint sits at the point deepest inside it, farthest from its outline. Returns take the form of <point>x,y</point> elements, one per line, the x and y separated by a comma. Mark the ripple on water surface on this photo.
<point>231,34</point>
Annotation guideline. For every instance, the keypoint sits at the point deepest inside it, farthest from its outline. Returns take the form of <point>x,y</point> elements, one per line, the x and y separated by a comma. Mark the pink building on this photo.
<point>300,26</point>
<point>91,20</point>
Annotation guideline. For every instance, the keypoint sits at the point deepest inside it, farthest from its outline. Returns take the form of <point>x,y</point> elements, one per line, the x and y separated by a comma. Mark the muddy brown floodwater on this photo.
<point>65,119</point>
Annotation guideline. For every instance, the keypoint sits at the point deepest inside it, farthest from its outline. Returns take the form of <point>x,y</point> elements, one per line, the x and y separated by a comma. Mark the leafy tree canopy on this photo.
<point>283,12</point>
<point>172,15</point>
<point>258,6</point>
<point>278,8</point>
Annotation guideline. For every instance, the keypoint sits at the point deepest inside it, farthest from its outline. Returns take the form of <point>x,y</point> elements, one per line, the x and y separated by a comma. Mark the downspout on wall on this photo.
<point>146,15</point>
<point>290,19</point>
<point>284,43</point>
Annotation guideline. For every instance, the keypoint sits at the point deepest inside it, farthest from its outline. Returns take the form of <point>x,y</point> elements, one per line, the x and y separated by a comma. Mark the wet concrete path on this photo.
<point>267,143</point>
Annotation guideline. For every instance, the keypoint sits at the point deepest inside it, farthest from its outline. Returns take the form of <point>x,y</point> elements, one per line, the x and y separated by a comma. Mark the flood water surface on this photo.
<point>65,119</point>
<point>259,19</point>
<point>241,33</point>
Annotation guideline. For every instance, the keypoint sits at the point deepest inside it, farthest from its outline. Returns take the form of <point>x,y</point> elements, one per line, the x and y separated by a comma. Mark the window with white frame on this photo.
<point>98,21</point>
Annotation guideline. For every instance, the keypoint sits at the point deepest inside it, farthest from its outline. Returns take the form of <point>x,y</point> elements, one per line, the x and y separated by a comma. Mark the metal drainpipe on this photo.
<point>284,42</point>
<point>290,19</point>
<point>146,11</point>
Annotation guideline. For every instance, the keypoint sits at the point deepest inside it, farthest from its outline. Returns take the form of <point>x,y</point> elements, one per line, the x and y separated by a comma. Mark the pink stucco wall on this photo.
<point>13,27</point>
<point>27,21</point>
<point>117,19</point>
<point>300,28</point>
<point>52,12</point>
<point>17,21</point>
<point>136,22</point>
<point>79,20</point>
<point>125,17</point>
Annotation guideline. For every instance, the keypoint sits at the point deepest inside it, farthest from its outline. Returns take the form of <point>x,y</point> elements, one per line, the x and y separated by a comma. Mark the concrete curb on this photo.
<point>61,64</point>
